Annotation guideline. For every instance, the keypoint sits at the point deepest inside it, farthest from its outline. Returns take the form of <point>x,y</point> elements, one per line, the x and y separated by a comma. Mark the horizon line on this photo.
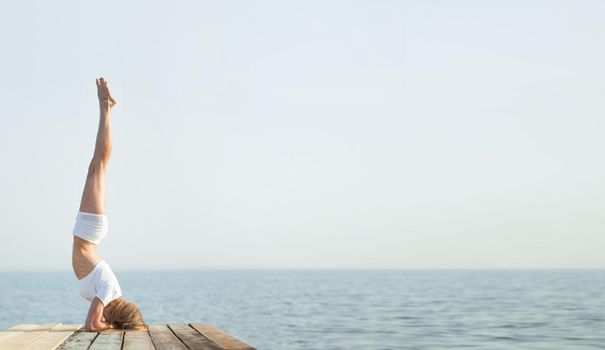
<point>311,269</point>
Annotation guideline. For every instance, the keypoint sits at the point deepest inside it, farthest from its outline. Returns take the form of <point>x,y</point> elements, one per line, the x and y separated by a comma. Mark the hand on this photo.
<point>105,98</point>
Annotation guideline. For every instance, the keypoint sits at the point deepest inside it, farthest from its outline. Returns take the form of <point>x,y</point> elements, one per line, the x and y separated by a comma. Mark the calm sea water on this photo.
<point>336,309</point>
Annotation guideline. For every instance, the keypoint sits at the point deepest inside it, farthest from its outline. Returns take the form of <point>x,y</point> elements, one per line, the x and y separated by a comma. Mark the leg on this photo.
<point>84,256</point>
<point>93,198</point>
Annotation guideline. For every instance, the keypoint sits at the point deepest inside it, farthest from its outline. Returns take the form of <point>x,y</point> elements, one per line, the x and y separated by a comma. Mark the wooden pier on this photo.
<point>156,337</point>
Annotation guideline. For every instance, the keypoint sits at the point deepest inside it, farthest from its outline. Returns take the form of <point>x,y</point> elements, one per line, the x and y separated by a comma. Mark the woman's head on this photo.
<point>126,315</point>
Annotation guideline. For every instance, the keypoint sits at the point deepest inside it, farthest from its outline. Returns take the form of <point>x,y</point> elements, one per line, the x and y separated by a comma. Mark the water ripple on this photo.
<point>396,309</point>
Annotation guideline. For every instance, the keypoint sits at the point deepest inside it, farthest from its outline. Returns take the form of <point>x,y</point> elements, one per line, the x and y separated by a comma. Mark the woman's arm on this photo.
<point>93,319</point>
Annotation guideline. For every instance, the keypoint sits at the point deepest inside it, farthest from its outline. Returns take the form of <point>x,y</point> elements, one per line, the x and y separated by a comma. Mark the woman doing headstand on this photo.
<point>96,280</point>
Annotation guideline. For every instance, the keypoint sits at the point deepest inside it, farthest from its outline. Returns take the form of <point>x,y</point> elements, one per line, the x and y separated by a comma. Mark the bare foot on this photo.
<point>104,94</point>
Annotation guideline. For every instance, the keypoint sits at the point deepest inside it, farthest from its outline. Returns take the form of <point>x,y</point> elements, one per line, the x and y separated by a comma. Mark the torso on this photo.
<point>84,257</point>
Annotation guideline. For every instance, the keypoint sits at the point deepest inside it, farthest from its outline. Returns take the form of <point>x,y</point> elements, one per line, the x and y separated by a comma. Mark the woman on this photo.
<point>96,281</point>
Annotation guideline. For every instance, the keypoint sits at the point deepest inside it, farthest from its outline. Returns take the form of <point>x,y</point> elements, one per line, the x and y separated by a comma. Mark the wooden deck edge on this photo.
<point>36,336</point>
<point>52,336</point>
<point>222,339</point>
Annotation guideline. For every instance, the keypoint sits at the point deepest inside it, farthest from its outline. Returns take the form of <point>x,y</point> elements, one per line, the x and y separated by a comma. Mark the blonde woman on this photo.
<point>96,280</point>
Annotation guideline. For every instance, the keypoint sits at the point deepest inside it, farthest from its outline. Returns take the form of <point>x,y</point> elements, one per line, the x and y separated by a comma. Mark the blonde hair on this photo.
<point>126,315</point>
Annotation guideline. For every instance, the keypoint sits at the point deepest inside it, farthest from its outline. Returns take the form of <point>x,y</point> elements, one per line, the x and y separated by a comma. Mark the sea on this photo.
<point>345,309</point>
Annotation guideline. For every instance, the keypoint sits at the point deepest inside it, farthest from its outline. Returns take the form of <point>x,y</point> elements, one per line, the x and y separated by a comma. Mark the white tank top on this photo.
<point>101,283</point>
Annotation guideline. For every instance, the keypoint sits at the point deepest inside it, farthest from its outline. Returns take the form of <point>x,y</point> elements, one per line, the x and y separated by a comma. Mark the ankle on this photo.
<point>106,104</point>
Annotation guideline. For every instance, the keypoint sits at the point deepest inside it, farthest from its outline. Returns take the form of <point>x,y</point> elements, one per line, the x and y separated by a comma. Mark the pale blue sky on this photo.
<point>341,134</point>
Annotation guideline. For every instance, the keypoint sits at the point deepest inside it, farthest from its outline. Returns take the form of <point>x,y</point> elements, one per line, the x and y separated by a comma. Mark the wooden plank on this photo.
<point>164,339</point>
<point>5,334</point>
<point>79,341</point>
<point>107,341</point>
<point>19,339</point>
<point>67,327</point>
<point>52,339</point>
<point>225,341</point>
<point>8,334</point>
<point>137,341</point>
<point>192,338</point>
<point>196,336</point>
<point>20,335</point>
<point>34,327</point>
<point>22,328</point>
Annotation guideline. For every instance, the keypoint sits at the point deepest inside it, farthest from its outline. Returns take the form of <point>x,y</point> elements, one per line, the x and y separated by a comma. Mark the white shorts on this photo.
<point>91,227</point>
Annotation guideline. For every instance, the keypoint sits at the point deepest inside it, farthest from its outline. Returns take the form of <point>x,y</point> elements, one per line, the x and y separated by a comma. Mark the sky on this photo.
<point>309,134</point>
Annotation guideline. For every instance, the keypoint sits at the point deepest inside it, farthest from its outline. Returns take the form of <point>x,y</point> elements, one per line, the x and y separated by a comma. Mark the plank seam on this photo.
<point>41,335</point>
<point>150,337</point>
<point>177,337</point>
<point>57,346</point>
<point>93,340</point>
<point>202,334</point>
<point>65,340</point>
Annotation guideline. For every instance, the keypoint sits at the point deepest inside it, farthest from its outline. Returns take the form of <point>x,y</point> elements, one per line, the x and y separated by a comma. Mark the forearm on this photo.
<point>101,326</point>
<point>103,143</point>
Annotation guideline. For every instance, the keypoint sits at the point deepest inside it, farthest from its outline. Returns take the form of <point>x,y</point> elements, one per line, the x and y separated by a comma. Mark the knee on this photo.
<point>96,166</point>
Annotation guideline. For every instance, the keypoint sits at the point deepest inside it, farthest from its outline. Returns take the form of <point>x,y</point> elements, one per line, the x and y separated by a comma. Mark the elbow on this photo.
<point>91,327</point>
